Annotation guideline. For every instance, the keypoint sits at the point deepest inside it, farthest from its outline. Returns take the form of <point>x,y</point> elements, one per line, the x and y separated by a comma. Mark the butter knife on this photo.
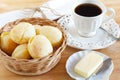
<point>106,65</point>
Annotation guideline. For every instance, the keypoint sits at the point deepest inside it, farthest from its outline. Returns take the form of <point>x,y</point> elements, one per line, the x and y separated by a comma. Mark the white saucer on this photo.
<point>101,40</point>
<point>73,59</point>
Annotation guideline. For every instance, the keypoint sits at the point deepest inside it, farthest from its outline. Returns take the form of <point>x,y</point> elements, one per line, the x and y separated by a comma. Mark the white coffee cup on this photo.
<point>87,26</point>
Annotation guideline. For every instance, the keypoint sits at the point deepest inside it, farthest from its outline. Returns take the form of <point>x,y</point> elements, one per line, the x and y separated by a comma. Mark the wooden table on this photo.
<point>59,72</point>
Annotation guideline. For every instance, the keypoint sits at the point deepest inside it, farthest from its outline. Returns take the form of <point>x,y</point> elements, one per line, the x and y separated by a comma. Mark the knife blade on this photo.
<point>106,64</point>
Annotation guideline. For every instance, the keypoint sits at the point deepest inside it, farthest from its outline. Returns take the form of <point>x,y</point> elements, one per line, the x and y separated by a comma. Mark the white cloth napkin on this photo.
<point>109,28</point>
<point>59,7</point>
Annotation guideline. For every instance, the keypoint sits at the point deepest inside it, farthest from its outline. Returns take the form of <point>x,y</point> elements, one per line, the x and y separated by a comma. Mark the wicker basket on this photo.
<point>33,66</point>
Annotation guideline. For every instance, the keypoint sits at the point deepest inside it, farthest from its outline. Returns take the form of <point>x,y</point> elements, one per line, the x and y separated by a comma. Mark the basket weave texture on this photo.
<point>33,66</point>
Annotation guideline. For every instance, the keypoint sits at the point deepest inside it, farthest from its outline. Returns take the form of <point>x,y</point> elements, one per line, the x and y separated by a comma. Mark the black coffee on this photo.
<point>88,10</point>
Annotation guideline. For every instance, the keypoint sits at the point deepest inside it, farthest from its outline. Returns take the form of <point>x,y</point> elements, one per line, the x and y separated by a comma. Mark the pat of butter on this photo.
<point>88,64</point>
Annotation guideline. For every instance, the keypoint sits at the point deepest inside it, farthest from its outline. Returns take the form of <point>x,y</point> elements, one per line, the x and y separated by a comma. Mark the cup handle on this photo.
<point>111,16</point>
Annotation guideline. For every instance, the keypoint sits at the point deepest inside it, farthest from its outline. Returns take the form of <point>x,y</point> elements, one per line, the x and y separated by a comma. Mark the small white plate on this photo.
<point>101,40</point>
<point>73,60</point>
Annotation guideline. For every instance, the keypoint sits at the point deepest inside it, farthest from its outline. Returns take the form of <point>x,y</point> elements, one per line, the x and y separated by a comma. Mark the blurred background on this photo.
<point>8,5</point>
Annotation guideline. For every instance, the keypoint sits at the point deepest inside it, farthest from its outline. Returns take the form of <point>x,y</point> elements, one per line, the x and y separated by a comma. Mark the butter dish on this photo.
<point>73,60</point>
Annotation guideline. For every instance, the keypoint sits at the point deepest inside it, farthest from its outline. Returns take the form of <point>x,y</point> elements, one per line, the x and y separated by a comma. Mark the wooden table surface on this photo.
<point>59,72</point>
